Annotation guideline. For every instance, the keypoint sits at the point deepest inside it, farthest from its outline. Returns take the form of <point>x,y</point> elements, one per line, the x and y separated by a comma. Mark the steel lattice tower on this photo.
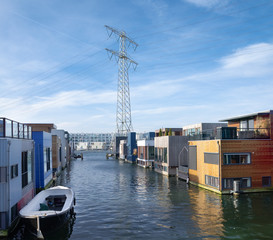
<point>123,114</point>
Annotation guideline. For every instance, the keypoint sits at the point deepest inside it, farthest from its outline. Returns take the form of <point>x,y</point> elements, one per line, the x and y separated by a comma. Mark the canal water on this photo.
<point>118,200</point>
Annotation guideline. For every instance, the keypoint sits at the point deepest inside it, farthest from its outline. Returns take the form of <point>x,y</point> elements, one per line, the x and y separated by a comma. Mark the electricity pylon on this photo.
<point>123,115</point>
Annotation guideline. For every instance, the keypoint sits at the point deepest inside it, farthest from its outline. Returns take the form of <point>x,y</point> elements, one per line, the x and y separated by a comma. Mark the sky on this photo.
<point>198,61</point>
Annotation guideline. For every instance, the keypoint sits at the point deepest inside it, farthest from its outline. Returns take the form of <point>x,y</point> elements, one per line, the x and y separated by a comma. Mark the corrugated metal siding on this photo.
<point>3,197</point>
<point>3,152</point>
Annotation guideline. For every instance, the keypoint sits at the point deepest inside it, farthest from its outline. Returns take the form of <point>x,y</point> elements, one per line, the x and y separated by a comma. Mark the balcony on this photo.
<point>13,129</point>
<point>232,133</point>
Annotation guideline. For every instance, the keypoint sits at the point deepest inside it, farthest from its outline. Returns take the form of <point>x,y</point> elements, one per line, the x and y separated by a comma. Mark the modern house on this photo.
<point>63,158</point>
<point>145,150</point>
<point>168,150</point>
<point>145,153</point>
<point>43,159</point>
<point>240,159</point>
<point>17,171</point>
<point>199,131</point>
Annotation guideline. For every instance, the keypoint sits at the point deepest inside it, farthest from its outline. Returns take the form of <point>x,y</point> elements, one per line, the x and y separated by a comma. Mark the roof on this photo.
<point>247,116</point>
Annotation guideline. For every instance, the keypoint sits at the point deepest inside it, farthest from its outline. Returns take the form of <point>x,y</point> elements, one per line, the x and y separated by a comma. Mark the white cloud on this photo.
<point>206,3</point>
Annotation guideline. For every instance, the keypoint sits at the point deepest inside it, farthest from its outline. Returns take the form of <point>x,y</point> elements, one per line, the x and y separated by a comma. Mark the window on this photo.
<point>47,159</point>
<point>151,152</point>
<point>165,155</point>
<point>26,168</point>
<point>247,124</point>
<point>156,154</point>
<point>14,171</point>
<point>15,129</point>
<point>1,128</point>
<point>244,182</point>
<point>165,169</point>
<point>266,181</point>
<point>212,181</point>
<point>237,158</point>
<point>8,127</point>
<point>21,130</point>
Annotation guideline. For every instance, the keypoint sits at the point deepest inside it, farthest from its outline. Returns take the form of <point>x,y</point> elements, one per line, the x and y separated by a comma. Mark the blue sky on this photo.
<point>198,61</point>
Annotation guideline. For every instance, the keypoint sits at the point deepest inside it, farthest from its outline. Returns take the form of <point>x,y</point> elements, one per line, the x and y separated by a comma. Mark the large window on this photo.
<point>151,153</point>
<point>212,181</point>
<point>237,158</point>
<point>47,159</point>
<point>26,168</point>
<point>244,182</point>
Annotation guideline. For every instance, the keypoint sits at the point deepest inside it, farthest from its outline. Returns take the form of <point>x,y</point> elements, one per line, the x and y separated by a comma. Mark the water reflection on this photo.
<point>207,212</point>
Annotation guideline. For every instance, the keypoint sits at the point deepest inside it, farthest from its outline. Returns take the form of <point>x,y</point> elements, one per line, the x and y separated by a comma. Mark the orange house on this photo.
<point>240,159</point>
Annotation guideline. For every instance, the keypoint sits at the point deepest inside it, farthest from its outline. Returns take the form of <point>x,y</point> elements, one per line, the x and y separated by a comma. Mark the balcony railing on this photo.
<point>13,129</point>
<point>253,133</point>
<point>232,133</point>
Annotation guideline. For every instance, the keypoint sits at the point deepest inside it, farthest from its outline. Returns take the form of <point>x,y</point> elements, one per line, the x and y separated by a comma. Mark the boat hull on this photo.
<point>48,224</point>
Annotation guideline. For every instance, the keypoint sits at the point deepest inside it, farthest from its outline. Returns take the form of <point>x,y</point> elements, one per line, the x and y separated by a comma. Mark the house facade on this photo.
<point>17,171</point>
<point>240,159</point>
<point>43,159</point>
<point>145,153</point>
<point>167,150</point>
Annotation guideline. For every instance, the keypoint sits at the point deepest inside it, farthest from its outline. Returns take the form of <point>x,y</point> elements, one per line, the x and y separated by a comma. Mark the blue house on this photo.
<point>43,158</point>
<point>131,147</point>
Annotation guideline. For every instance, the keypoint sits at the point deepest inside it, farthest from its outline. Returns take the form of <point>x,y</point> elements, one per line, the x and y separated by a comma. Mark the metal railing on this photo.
<point>232,133</point>
<point>13,129</point>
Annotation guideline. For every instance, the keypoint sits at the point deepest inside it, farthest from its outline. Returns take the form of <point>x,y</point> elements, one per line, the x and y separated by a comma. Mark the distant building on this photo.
<point>17,170</point>
<point>105,138</point>
<point>82,146</point>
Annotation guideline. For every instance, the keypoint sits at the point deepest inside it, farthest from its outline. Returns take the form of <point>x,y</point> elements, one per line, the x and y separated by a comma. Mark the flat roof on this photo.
<point>246,116</point>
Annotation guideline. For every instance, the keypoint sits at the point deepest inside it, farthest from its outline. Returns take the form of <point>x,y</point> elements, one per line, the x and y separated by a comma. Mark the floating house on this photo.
<point>43,159</point>
<point>17,171</point>
<point>168,149</point>
<point>116,143</point>
<point>145,153</point>
<point>145,150</point>
<point>199,131</point>
<point>240,159</point>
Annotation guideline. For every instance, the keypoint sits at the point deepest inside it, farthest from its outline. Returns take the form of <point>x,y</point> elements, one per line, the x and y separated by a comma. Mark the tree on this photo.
<point>170,132</point>
<point>166,132</point>
<point>160,132</point>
